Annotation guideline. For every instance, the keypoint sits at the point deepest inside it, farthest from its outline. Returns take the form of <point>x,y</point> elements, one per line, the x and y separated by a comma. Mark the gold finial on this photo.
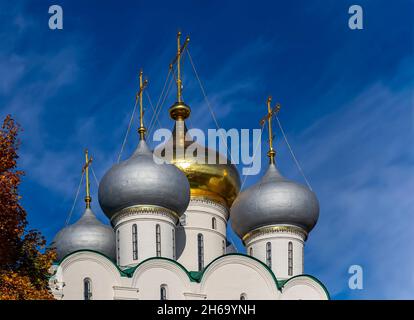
<point>85,169</point>
<point>142,85</point>
<point>270,113</point>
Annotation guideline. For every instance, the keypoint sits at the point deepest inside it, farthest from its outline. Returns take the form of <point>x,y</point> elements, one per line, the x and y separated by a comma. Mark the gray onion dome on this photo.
<point>140,181</point>
<point>274,200</point>
<point>88,233</point>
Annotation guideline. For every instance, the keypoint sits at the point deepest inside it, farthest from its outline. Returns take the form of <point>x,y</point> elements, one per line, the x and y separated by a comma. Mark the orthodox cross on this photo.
<point>85,169</point>
<point>270,113</point>
<point>142,85</point>
<point>177,60</point>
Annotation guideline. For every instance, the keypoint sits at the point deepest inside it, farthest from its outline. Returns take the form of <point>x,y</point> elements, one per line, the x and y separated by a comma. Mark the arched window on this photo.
<point>117,247</point>
<point>200,245</point>
<point>134,242</point>
<point>163,292</point>
<point>158,239</point>
<point>269,254</point>
<point>243,296</point>
<point>173,243</point>
<point>87,289</point>
<point>290,258</point>
<point>214,223</point>
<point>251,251</point>
<point>223,246</point>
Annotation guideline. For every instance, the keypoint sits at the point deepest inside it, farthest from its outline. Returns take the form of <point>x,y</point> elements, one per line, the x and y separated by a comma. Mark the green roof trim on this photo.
<point>197,276</point>
<point>281,283</point>
<point>129,271</point>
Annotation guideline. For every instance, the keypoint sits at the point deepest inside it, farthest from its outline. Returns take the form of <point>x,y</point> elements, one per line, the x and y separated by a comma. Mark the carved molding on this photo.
<point>137,210</point>
<point>275,229</point>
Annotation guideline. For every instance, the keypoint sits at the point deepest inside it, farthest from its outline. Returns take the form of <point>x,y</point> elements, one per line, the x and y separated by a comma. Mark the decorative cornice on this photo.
<point>275,229</point>
<point>136,210</point>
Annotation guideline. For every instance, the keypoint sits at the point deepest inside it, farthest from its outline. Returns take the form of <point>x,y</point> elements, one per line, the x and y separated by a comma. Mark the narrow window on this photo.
<point>290,258</point>
<point>87,289</point>
<point>251,251</point>
<point>134,242</point>
<point>158,239</point>
<point>163,292</point>
<point>173,243</point>
<point>117,247</point>
<point>243,296</point>
<point>269,254</point>
<point>200,252</point>
<point>223,245</point>
<point>214,223</point>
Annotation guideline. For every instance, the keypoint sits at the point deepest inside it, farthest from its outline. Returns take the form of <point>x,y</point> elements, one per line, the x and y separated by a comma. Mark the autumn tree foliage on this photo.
<point>24,261</point>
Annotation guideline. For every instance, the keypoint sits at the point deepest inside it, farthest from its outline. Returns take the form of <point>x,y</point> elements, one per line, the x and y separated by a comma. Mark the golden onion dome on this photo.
<point>219,180</point>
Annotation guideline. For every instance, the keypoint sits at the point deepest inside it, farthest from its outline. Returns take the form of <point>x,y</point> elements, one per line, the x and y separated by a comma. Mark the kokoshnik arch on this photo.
<point>167,238</point>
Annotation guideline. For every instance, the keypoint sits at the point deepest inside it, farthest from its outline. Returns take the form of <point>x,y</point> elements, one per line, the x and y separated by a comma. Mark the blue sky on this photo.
<point>347,102</point>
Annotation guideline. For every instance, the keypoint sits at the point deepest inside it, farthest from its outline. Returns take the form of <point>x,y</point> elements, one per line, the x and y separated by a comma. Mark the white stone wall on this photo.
<point>279,244</point>
<point>146,226</point>
<point>226,278</point>
<point>198,219</point>
<point>73,270</point>
<point>230,277</point>
<point>155,273</point>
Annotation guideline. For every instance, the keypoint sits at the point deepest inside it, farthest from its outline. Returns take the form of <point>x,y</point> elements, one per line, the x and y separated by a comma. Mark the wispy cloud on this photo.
<point>361,164</point>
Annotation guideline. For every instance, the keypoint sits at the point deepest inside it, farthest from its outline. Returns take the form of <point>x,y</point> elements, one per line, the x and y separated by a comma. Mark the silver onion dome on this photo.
<point>139,180</point>
<point>274,200</point>
<point>88,233</point>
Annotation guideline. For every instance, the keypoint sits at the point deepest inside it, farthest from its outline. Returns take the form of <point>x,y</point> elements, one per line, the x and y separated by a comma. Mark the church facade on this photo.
<point>167,235</point>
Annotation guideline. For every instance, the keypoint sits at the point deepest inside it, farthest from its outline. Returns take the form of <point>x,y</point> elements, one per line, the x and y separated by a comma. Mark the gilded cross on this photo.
<point>177,59</point>
<point>270,113</point>
<point>85,169</point>
<point>142,85</point>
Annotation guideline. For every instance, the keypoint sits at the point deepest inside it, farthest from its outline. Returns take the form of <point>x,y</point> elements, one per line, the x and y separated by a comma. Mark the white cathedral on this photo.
<point>167,238</point>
